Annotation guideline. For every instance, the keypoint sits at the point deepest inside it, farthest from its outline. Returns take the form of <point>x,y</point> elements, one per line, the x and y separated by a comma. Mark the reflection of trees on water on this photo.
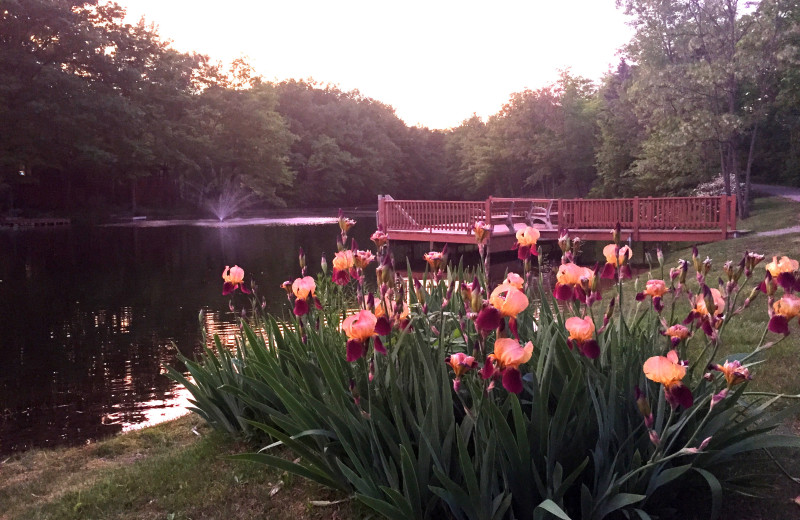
<point>88,317</point>
<point>93,380</point>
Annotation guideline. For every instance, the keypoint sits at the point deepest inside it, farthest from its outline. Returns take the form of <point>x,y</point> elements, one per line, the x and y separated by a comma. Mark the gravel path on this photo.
<point>778,191</point>
<point>782,231</point>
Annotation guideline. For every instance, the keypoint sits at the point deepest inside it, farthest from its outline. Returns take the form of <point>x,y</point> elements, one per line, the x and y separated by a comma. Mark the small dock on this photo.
<point>645,219</point>
<point>18,222</point>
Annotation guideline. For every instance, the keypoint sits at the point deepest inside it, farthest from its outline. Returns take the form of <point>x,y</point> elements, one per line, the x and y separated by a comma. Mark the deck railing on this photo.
<point>661,213</point>
<point>428,215</point>
<point>635,214</point>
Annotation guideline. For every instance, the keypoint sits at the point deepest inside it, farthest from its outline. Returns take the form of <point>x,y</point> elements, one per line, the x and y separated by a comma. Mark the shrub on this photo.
<point>446,397</point>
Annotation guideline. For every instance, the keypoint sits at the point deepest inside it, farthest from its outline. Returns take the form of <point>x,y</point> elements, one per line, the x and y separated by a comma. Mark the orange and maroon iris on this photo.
<point>461,364</point>
<point>361,259</point>
<point>581,335</point>
<point>396,317</point>
<point>735,373</point>
<point>656,289</point>
<point>616,262</point>
<point>482,232</point>
<point>233,278</point>
<point>343,265</point>
<point>668,371</point>
<point>379,238</point>
<point>505,361</point>
<point>713,306</point>
<point>303,290</point>
<point>784,272</point>
<point>677,333</point>
<point>526,242</point>
<point>783,311</point>
<point>359,328</point>
<point>570,282</point>
<point>435,260</point>
<point>509,300</point>
<point>708,309</point>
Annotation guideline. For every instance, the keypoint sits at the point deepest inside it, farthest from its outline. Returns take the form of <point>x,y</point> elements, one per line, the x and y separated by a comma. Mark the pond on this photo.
<point>89,316</point>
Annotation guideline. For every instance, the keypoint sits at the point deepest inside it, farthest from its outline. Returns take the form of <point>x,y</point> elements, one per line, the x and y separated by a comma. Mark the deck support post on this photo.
<point>635,230</point>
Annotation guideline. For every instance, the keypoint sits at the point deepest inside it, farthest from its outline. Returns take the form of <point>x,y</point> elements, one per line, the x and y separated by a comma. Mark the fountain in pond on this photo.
<point>231,199</point>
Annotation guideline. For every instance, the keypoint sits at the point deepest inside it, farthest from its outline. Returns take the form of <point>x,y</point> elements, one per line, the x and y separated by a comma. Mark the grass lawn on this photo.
<point>175,470</point>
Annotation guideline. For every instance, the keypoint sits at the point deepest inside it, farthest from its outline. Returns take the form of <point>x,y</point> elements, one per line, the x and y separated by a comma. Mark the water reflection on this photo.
<point>89,317</point>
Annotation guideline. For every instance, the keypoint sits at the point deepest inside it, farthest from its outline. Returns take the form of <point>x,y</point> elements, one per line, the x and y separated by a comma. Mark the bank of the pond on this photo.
<point>174,470</point>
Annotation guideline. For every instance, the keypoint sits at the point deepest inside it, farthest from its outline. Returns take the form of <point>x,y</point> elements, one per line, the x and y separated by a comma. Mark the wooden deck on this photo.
<point>651,219</point>
<point>19,222</point>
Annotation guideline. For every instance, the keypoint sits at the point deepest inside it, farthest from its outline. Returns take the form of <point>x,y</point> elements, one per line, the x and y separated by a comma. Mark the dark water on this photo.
<point>89,316</point>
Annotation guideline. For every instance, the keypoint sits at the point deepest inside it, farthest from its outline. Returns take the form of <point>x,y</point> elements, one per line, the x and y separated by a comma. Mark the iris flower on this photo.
<point>677,333</point>
<point>345,223</point>
<point>572,282</point>
<point>733,371</point>
<point>343,264</point>
<point>784,310</point>
<point>526,242</point>
<point>303,289</point>
<point>655,289</point>
<point>668,371</point>
<point>379,238</point>
<point>396,317</point>
<point>783,271</point>
<point>360,328</point>
<point>461,364</point>
<point>616,258</point>
<point>233,279</point>
<point>505,361</point>
<point>482,232</point>
<point>509,301</point>
<point>708,309</point>
<point>581,335</point>
<point>361,259</point>
<point>435,260</point>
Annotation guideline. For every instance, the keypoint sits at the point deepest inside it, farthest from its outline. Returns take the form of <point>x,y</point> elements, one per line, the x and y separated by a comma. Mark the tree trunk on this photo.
<point>723,165</point>
<point>745,209</point>
<point>740,202</point>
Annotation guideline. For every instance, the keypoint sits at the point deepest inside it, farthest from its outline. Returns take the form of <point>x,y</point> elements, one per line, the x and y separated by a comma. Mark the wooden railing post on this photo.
<point>379,213</point>
<point>487,213</point>
<point>561,216</point>
<point>636,219</point>
<point>723,215</point>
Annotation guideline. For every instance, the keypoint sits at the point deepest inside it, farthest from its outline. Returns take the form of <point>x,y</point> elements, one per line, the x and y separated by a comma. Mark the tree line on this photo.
<point>97,113</point>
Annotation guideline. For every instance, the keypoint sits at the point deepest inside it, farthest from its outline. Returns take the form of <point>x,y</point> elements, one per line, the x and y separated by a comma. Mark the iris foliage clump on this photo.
<point>450,397</point>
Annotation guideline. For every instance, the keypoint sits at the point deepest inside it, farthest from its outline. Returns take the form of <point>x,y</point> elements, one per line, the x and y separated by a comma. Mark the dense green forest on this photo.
<point>98,115</point>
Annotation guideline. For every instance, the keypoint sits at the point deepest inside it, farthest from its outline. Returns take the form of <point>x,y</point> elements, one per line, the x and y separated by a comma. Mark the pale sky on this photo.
<point>436,62</point>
